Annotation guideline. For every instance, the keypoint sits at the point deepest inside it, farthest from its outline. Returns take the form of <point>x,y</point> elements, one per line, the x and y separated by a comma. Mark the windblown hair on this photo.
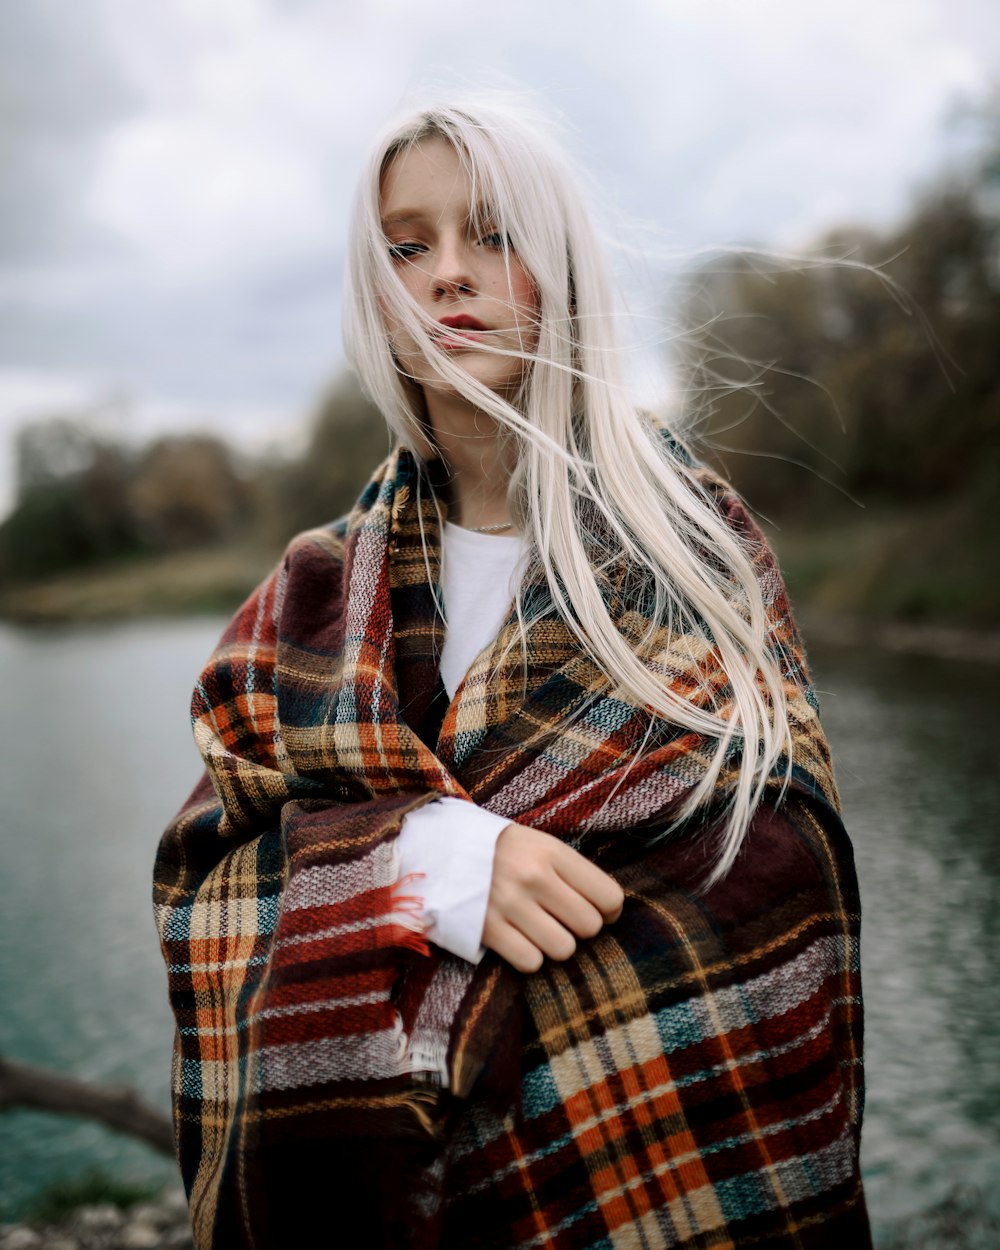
<point>597,487</point>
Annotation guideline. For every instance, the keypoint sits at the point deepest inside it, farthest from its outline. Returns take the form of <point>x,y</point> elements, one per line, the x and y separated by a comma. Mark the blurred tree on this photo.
<point>83,499</point>
<point>185,491</point>
<point>348,438</point>
<point>867,372</point>
<point>876,371</point>
<point>71,504</point>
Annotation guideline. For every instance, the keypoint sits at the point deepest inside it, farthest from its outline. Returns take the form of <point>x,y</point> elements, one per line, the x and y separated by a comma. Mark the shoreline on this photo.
<point>939,641</point>
<point>186,584</point>
<point>156,1223</point>
<point>215,581</point>
<point>963,1219</point>
<point>936,640</point>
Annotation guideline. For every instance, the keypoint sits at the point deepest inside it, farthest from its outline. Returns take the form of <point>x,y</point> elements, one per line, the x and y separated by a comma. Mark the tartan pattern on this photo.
<point>702,1091</point>
<point>690,1077</point>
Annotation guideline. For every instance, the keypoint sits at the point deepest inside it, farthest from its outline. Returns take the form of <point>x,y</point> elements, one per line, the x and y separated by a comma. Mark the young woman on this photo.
<point>513,908</point>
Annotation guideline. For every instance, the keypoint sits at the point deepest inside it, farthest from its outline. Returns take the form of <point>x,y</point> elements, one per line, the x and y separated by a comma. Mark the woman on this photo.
<point>513,908</point>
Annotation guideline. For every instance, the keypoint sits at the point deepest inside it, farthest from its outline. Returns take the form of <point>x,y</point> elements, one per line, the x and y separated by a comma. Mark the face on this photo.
<point>455,269</point>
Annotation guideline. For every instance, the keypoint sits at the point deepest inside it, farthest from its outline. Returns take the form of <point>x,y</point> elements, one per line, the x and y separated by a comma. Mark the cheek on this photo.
<point>391,322</point>
<point>524,293</point>
<point>528,303</point>
<point>399,346</point>
<point>411,287</point>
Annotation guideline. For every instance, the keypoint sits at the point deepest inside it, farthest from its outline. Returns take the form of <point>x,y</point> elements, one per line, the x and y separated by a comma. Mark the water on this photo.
<point>915,742</point>
<point>97,756</point>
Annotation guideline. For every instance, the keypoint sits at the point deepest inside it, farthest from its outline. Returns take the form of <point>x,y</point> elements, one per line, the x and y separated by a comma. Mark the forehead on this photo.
<point>427,178</point>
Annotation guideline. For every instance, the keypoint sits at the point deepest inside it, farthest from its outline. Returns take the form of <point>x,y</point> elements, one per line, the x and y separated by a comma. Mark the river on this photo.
<point>97,756</point>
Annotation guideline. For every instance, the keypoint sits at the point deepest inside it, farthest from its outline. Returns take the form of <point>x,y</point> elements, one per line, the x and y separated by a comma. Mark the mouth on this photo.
<point>462,322</point>
<point>456,329</point>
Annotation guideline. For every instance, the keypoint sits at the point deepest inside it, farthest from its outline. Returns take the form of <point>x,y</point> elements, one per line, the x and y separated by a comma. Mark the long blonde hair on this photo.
<point>595,482</point>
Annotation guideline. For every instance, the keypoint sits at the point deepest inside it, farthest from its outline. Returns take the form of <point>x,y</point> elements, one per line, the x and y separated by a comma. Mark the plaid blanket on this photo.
<point>690,1077</point>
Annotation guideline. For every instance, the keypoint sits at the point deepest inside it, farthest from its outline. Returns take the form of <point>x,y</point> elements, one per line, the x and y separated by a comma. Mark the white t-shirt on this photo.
<point>449,843</point>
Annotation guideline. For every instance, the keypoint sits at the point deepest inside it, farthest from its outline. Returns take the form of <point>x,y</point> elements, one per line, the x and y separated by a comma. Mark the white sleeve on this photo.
<point>450,844</point>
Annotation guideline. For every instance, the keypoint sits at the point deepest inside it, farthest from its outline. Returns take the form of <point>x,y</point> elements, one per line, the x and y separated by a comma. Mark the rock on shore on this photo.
<point>160,1224</point>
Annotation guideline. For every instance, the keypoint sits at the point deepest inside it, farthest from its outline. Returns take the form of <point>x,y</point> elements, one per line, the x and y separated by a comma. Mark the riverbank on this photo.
<point>159,1223</point>
<point>837,581</point>
<point>187,583</point>
<point>943,642</point>
<point>962,1221</point>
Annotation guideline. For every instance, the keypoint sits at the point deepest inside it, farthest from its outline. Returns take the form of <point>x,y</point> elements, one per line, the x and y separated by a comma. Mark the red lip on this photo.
<point>461,323</point>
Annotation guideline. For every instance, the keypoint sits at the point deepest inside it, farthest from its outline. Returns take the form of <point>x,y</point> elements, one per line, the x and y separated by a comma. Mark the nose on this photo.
<point>450,287</point>
<point>451,276</point>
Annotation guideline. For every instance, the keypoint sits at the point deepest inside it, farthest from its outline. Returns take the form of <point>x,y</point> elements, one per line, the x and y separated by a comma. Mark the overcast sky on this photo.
<point>175,174</point>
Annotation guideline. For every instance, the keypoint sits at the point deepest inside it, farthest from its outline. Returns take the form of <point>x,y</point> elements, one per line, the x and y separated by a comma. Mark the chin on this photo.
<point>502,383</point>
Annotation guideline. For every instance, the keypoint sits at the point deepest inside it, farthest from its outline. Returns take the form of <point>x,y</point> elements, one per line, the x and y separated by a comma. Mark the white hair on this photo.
<point>596,485</point>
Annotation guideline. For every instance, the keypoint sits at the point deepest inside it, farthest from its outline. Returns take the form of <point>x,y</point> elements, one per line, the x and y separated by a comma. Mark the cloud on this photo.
<point>59,94</point>
<point>257,113</point>
<point>177,175</point>
<point>238,160</point>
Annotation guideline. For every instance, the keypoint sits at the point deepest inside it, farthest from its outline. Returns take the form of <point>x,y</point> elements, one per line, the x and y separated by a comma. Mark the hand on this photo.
<point>543,896</point>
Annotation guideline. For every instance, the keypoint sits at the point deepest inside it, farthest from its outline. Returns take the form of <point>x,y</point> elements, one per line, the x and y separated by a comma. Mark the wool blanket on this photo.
<point>689,1077</point>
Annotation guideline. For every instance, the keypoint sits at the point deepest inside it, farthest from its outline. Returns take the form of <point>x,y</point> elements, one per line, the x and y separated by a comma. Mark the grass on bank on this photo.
<point>914,568</point>
<point>60,1198</point>
<point>186,583</point>
<point>961,1220</point>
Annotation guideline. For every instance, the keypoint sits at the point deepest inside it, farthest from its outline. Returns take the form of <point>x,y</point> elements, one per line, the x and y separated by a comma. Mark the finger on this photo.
<point>542,929</point>
<point>592,882</point>
<point>570,907</point>
<point>511,944</point>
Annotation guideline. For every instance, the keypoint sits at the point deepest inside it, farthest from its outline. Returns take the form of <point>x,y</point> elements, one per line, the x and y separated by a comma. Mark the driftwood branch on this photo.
<point>117,1106</point>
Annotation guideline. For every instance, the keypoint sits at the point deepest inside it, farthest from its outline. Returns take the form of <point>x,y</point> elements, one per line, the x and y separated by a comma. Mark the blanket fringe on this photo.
<point>406,911</point>
<point>425,1105</point>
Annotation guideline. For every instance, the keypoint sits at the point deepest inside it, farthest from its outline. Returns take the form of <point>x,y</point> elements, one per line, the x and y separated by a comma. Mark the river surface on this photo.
<point>97,755</point>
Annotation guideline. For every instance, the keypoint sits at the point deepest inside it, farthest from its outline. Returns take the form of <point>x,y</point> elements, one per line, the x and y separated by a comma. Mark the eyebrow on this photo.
<point>402,216</point>
<point>406,216</point>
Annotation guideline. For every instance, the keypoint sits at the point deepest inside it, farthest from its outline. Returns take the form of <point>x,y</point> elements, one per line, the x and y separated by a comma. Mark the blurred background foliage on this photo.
<point>852,395</point>
<point>184,523</point>
<point>855,401</point>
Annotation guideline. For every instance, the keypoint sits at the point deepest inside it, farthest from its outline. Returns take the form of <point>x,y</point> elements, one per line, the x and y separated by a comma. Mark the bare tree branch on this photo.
<point>117,1106</point>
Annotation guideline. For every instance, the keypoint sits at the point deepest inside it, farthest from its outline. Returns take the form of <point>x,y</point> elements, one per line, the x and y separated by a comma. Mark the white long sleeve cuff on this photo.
<point>450,843</point>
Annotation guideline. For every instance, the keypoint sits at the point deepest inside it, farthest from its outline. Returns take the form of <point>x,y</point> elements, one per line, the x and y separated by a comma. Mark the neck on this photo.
<point>478,462</point>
